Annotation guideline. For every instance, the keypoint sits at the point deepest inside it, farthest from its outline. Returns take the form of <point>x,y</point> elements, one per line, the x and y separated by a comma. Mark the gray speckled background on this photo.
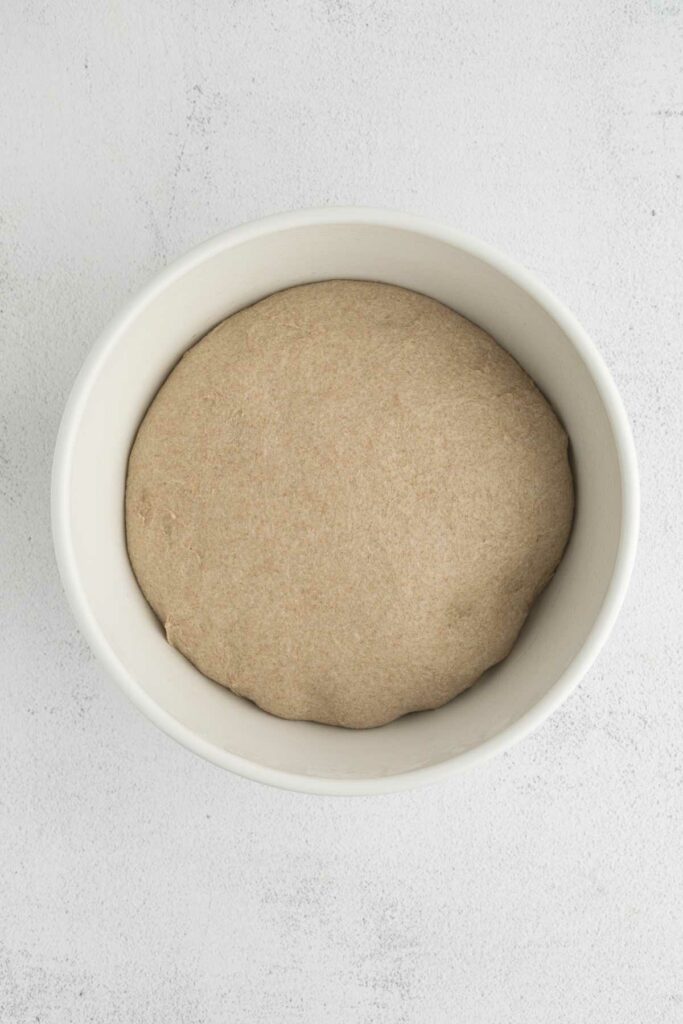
<point>140,884</point>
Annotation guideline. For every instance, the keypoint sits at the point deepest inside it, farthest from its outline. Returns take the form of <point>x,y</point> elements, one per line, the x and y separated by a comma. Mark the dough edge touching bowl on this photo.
<point>417,254</point>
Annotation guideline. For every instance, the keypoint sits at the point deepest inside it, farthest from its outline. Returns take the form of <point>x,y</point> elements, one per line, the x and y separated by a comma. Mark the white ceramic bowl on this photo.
<point>566,628</point>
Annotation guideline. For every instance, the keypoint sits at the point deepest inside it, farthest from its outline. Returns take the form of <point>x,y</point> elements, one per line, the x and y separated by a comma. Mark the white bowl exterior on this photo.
<point>568,624</point>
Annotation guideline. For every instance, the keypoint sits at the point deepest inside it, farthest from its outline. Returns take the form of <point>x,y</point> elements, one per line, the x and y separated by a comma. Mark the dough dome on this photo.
<point>343,501</point>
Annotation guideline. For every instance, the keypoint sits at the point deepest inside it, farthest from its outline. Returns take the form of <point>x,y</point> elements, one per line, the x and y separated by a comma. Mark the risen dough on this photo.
<point>343,501</point>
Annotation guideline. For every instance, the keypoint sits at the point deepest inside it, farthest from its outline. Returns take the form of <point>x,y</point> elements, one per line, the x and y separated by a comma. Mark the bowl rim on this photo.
<point>609,396</point>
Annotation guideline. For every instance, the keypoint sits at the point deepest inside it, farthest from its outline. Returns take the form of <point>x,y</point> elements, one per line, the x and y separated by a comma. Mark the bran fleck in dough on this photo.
<point>343,501</point>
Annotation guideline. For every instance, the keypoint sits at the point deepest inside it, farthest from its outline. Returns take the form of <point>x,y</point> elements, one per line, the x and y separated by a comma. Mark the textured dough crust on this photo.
<point>343,501</point>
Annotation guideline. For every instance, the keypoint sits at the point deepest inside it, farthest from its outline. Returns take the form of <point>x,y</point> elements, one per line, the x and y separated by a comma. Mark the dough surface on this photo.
<point>343,501</point>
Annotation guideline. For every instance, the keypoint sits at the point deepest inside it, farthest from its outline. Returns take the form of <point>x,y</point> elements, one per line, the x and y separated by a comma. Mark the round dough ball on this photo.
<point>343,501</point>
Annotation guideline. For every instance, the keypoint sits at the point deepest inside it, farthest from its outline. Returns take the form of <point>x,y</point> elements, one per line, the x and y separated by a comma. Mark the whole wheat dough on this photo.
<point>343,501</point>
